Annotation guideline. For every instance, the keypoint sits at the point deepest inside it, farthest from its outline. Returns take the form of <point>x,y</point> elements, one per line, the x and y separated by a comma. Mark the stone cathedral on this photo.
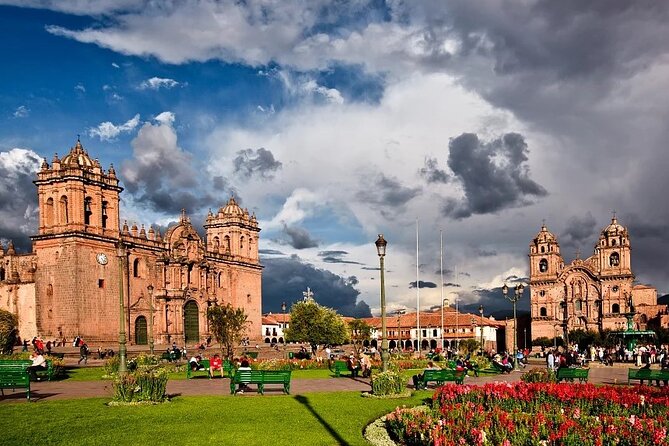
<point>589,294</point>
<point>82,258</point>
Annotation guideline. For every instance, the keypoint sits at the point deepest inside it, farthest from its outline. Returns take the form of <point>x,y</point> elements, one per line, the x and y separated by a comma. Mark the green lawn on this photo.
<point>332,418</point>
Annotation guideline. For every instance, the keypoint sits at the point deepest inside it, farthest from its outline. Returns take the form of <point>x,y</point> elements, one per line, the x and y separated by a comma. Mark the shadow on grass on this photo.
<point>305,402</point>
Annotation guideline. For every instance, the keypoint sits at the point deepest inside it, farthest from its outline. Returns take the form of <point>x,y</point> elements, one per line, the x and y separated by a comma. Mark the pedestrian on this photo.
<point>83,353</point>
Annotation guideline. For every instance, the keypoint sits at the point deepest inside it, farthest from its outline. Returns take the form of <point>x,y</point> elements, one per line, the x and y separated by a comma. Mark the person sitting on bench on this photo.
<point>215,364</point>
<point>39,364</point>
<point>419,377</point>
<point>353,365</point>
<point>194,363</point>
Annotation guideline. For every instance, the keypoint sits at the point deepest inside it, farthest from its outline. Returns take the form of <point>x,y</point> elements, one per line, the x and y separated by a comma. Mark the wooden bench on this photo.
<point>260,378</point>
<point>440,377</point>
<point>338,367</point>
<point>647,374</point>
<point>14,375</point>
<point>570,374</point>
<point>204,367</point>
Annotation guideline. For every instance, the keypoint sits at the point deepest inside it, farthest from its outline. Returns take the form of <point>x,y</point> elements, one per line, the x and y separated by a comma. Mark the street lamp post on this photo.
<point>444,302</point>
<point>150,290</point>
<point>283,325</point>
<point>525,337</point>
<point>121,253</point>
<point>518,293</point>
<point>381,250</point>
<point>481,328</point>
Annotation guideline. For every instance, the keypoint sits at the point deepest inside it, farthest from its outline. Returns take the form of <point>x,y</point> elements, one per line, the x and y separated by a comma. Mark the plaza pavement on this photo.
<point>56,390</point>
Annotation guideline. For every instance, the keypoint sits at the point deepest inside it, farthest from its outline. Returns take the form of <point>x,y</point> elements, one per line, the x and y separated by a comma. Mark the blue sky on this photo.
<point>336,121</point>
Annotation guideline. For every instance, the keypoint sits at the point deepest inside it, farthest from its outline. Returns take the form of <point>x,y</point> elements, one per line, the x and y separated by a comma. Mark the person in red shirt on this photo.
<point>215,363</point>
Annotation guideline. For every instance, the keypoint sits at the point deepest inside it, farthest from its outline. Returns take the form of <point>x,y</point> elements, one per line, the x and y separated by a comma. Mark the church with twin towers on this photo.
<point>83,256</point>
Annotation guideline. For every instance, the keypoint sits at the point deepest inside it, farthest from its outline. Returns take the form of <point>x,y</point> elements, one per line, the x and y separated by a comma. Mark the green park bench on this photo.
<point>47,372</point>
<point>570,374</point>
<point>647,375</point>
<point>204,367</point>
<point>440,377</point>
<point>338,367</point>
<point>14,375</point>
<point>260,378</point>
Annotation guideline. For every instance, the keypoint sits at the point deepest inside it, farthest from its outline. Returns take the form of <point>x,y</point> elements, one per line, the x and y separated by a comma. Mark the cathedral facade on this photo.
<point>84,263</point>
<point>590,294</point>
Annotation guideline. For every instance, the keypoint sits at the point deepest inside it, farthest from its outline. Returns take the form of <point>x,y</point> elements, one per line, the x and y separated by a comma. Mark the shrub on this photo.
<point>8,331</point>
<point>142,385</point>
<point>111,365</point>
<point>387,383</point>
<point>536,375</point>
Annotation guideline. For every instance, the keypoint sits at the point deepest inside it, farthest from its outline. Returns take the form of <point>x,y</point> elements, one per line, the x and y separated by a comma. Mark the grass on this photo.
<point>333,418</point>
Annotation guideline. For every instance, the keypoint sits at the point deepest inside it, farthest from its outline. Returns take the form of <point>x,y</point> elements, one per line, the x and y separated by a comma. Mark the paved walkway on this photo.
<point>46,391</point>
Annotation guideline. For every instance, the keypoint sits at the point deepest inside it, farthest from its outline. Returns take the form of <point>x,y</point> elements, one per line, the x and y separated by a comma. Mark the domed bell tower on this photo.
<point>613,250</point>
<point>545,259</point>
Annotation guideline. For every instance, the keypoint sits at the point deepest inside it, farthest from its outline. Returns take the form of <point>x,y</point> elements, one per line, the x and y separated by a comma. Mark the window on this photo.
<point>614,259</point>
<point>226,241</point>
<point>220,280</point>
<point>217,244</point>
<point>543,265</point>
<point>543,249</point>
<point>578,305</point>
<point>48,212</point>
<point>615,308</point>
<point>615,288</point>
<point>614,242</point>
<point>2,274</point>
<point>542,312</point>
<point>64,216</point>
<point>542,293</point>
<point>101,283</point>
<point>241,245</point>
<point>104,214</point>
<point>135,268</point>
<point>434,333</point>
<point>87,210</point>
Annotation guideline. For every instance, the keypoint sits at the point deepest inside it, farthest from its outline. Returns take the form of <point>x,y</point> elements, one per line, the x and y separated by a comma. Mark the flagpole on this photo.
<point>441,270</point>
<point>417,296</point>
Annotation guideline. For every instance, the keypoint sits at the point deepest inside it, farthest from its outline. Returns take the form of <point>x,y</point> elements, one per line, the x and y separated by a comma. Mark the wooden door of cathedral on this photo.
<point>191,323</point>
<point>140,331</point>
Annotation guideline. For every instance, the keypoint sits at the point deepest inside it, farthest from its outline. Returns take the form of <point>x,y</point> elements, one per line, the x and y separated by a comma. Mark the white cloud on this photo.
<point>80,87</point>
<point>21,112</point>
<point>156,83</point>
<point>115,65</point>
<point>107,131</point>
<point>166,118</point>
<point>298,206</point>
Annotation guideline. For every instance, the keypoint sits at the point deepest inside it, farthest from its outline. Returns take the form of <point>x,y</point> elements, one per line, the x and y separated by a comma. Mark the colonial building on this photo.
<point>590,294</point>
<point>83,260</point>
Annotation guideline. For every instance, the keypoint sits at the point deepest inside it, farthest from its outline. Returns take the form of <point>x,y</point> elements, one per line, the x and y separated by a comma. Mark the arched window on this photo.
<point>542,312</point>
<point>48,212</point>
<point>216,244</point>
<point>104,214</point>
<point>615,308</point>
<point>543,265</point>
<point>543,249</point>
<point>241,244</point>
<point>578,305</point>
<point>63,210</point>
<point>135,268</point>
<point>2,274</point>
<point>88,212</point>
<point>226,241</point>
<point>614,259</point>
<point>220,280</point>
<point>614,242</point>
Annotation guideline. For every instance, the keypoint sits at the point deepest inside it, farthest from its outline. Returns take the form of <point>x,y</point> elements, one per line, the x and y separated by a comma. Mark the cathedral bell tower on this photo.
<point>613,250</point>
<point>545,259</point>
<point>232,231</point>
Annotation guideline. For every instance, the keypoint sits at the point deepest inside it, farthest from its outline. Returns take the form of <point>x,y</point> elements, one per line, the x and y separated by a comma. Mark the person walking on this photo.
<point>83,353</point>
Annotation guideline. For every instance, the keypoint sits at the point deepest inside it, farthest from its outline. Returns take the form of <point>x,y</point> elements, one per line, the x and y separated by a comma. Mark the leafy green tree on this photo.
<point>9,328</point>
<point>469,345</point>
<point>359,332</point>
<point>228,325</point>
<point>315,324</point>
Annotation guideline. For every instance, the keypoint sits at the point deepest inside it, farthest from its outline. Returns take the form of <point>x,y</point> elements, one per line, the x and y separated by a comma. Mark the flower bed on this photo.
<point>537,414</point>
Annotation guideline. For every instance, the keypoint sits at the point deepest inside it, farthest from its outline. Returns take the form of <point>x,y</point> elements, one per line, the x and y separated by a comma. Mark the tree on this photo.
<point>228,325</point>
<point>469,345</point>
<point>359,332</point>
<point>312,323</point>
<point>9,328</point>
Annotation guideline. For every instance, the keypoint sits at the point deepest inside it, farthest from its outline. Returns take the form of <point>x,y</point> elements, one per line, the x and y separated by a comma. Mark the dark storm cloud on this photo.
<point>329,289</point>
<point>271,252</point>
<point>494,175</point>
<point>256,163</point>
<point>18,197</point>
<point>422,284</point>
<point>336,257</point>
<point>432,173</point>
<point>299,238</point>
<point>486,252</point>
<point>451,284</point>
<point>580,230</point>
<point>387,193</point>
